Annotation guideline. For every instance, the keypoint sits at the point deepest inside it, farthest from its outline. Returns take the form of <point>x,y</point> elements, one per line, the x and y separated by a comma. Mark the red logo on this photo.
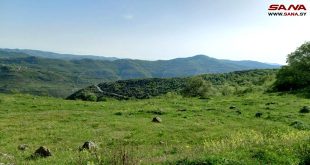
<point>287,7</point>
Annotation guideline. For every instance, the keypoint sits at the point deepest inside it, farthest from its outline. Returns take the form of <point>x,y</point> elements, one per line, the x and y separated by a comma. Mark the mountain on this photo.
<point>35,74</point>
<point>52,55</point>
<point>198,64</point>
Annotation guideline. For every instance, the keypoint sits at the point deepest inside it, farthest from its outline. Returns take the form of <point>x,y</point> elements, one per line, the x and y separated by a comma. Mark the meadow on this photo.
<point>219,130</point>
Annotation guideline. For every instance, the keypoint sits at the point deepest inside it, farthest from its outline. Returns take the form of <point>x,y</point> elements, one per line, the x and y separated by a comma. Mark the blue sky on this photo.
<point>154,29</point>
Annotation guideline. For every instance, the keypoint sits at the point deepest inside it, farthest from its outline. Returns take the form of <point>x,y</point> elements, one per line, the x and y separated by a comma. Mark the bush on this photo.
<point>299,125</point>
<point>228,90</point>
<point>198,87</point>
<point>89,97</point>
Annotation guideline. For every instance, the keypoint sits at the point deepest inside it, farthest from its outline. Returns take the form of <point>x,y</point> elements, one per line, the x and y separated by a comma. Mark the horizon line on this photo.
<point>118,58</point>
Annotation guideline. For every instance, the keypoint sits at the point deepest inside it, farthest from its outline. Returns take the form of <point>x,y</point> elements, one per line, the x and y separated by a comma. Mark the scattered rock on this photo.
<point>305,109</point>
<point>22,147</point>
<point>43,152</point>
<point>269,103</point>
<point>89,145</point>
<point>118,113</point>
<point>258,114</point>
<point>156,120</point>
<point>232,107</point>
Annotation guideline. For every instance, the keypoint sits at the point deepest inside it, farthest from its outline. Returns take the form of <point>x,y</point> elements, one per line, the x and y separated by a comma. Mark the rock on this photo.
<point>232,107</point>
<point>89,145</point>
<point>156,120</point>
<point>118,113</point>
<point>43,152</point>
<point>305,109</point>
<point>22,147</point>
<point>269,103</point>
<point>258,114</point>
<point>238,112</point>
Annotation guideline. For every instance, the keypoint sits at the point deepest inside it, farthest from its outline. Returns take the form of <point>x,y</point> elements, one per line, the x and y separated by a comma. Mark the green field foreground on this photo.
<point>220,130</point>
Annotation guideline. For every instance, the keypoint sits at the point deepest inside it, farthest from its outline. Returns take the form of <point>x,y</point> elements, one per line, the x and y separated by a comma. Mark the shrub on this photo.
<point>89,97</point>
<point>299,125</point>
<point>228,90</point>
<point>198,87</point>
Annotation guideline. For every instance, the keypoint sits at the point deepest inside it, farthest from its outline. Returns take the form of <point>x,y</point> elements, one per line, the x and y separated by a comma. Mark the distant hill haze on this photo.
<point>52,55</point>
<point>47,73</point>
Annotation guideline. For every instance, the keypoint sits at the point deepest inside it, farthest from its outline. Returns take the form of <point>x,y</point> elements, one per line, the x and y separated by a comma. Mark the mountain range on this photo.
<point>48,73</point>
<point>52,55</point>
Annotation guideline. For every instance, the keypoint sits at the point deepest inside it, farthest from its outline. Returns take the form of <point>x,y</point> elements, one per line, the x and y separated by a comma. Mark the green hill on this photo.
<point>58,76</point>
<point>146,88</point>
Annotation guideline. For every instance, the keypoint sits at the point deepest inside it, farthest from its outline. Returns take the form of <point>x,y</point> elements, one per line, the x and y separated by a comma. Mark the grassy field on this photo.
<point>192,131</point>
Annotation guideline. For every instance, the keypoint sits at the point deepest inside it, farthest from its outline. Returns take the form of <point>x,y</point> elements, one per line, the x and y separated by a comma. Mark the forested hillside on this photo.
<point>224,84</point>
<point>61,76</point>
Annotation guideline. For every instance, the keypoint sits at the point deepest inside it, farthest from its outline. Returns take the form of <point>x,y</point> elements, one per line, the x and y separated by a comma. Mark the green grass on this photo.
<point>192,131</point>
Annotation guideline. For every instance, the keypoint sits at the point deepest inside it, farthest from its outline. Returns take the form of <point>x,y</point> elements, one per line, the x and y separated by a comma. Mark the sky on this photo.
<point>154,29</point>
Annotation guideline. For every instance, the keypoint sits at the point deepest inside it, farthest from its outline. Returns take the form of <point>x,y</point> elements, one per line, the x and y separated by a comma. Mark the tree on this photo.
<point>198,87</point>
<point>296,75</point>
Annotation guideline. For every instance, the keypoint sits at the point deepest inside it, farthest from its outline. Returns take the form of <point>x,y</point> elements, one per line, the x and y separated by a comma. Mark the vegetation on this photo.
<point>51,74</point>
<point>197,87</point>
<point>296,75</point>
<point>135,88</point>
<point>220,130</point>
<point>225,118</point>
<point>234,83</point>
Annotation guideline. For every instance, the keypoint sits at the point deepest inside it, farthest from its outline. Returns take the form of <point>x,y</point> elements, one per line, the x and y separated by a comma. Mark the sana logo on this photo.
<point>287,7</point>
